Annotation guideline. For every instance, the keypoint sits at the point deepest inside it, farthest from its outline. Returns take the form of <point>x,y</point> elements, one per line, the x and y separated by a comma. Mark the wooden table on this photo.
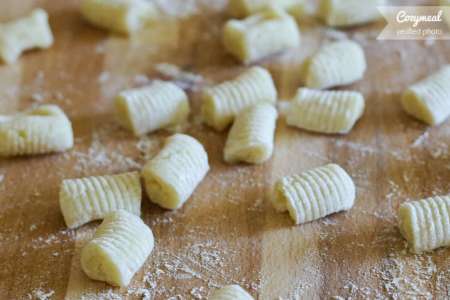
<point>227,232</point>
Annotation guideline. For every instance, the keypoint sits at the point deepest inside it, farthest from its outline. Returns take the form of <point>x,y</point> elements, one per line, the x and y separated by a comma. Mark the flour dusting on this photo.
<point>41,294</point>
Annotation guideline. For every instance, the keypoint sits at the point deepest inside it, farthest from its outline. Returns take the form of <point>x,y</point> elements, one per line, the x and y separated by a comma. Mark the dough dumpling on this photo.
<point>45,129</point>
<point>429,99</point>
<point>120,247</point>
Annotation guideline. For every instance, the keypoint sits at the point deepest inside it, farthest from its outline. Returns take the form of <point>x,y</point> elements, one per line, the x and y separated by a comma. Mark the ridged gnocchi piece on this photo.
<point>251,137</point>
<point>173,174</point>
<point>429,99</point>
<point>425,224</point>
<point>230,292</point>
<point>223,102</point>
<point>245,8</point>
<point>92,198</point>
<point>335,64</point>
<point>159,105</point>
<point>342,13</point>
<point>315,193</point>
<point>120,16</point>
<point>24,34</point>
<point>45,129</point>
<point>265,33</point>
<point>325,111</point>
<point>120,247</point>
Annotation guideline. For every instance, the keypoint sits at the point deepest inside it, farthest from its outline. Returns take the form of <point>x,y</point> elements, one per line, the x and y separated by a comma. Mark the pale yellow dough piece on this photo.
<point>429,99</point>
<point>331,112</point>
<point>245,8</point>
<point>338,63</point>
<point>173,174</point>
<point>121,16</point>
<point>223,102</point>
<point>268,32</point>
<point>92,198</point>
<point>341,13</point>
<point>118,250</point>
<point>251,137</point>
<point>159,105</point>
<point>315,193</point>
<point>230,292</point>
<point>23,34</point>
<point>425,224</point>
<point>45,129</point>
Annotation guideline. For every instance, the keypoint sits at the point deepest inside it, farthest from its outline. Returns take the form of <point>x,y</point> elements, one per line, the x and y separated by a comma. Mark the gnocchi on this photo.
<point>425,224</point>
<point>45,129</point>
<point>342,13</point>
<point>429,99</point>
<point>174,173</point>
<point>23,34</point>
<point>120,247</point>
<point>251,136</point>
<point>328,112</point>
<point>335,64</point>
<point>230,292</point>
<point>156,106</point>
<point>315,193</point>
<point>121,16</point>
<point>265,33</point>
<point>221,103</point>
<point>87,199</point>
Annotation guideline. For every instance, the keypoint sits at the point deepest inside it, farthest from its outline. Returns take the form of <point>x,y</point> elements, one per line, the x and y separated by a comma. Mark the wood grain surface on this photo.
<point>227,232</point>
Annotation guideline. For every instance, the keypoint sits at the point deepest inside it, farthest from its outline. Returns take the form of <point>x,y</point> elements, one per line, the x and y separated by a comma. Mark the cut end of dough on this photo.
<point>234,41</point>
<point>182,113</point>
<point>97,265</point>
<point>415,106</point>
<point>209,113</point>
<point>160,192</point>
<point>68,210</point>
<point>124,115</point>
<point>282,203</point>
<point>406,226</point>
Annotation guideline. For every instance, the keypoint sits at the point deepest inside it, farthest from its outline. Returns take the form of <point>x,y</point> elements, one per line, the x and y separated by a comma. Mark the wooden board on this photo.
<point>227,232</point>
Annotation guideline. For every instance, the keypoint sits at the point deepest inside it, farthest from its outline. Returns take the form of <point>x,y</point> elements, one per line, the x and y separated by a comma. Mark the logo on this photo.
<point>416,22</point>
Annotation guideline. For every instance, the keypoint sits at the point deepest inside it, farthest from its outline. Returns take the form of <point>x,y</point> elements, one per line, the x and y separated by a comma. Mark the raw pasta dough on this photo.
<point>156,106</point>
<point>118,250</point>
<point>174,173</point>
<point>223,102</point>
<point>265,33</point>
<point>121,16</point>
<point>341,13</point>
<point>92,198</point>
<point>315,193</point>
<point>245,8</point>
<point>325,111</point>
<point>230,292</point>
<point>426,223</point>
<point>335,64</point>
<point>44,129</point>
<point>251,136</point>
<point>429,100</point>
<point>23,34</point>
